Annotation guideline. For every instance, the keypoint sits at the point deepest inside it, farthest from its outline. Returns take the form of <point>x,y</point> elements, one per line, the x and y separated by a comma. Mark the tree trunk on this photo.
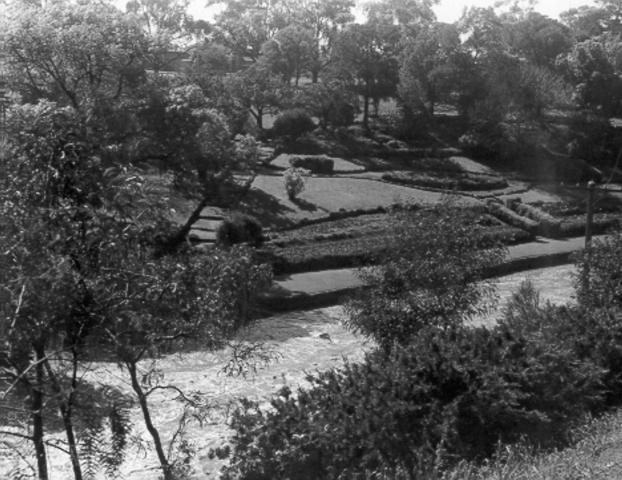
<point>259,118</point>
<point>66,412</point>
<point>315,74</point>
<point>36,408</point>
<point>171,244</point>
<point>366,112</point>
<point>153,431</point>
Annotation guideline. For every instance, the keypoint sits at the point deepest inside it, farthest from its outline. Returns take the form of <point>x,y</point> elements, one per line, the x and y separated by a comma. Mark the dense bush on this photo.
<point>314,163</point>
<point>240,228</point>
<point>292,124</point>
<point>449,393</point>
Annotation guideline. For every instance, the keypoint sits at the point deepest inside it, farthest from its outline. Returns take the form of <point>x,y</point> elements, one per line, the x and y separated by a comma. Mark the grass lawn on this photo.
<point>269,203</point>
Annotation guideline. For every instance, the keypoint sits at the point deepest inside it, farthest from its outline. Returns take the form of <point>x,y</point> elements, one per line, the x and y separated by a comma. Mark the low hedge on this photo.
<point>548,225</point>
<point>337,251</point>
<point>315,164</point>
<point>574,226</point>
<point>464,182</point>
<point>510,217</point>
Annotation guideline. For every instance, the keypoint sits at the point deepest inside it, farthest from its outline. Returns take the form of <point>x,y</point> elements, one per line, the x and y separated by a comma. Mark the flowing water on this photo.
<point>304,342</point>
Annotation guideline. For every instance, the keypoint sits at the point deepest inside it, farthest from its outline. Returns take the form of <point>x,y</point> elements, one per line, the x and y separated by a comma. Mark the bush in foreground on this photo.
<point>446,393</point>
<point>449,394</point>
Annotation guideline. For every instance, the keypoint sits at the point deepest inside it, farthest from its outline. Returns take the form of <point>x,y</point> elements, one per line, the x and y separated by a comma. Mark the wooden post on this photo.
<point>591,186</point>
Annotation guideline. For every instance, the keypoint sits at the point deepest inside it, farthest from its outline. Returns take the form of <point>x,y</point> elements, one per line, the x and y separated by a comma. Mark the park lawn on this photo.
<point>269,203</point>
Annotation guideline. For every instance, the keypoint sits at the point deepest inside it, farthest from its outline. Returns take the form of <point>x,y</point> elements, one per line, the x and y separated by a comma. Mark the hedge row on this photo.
<point>548,225</point>
<point>512,218</point>
<point>315,164</point>
<point>463,182</point>
<point>302,256</point>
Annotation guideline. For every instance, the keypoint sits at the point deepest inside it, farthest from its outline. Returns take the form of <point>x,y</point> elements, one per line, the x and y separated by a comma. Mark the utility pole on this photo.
<point>4,100</point>
<point>591,186</point>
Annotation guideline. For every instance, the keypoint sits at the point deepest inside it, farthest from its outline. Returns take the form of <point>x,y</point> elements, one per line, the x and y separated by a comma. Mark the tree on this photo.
<point>431,276</point>
<point>592,21</point>
<point>332,101</point>
<point>409,14</point>
<point>255,89</point>
<point>539,39</point>
<point>86,55</point>
<point>290,53</point>
<point>368,54</point>
<point>592,66</point>
<point>245,25</point>
<point>81,272</point>
<point>324,19</point>
<point>53,218</point>
<point>169,28</point>
<point>429,73</point>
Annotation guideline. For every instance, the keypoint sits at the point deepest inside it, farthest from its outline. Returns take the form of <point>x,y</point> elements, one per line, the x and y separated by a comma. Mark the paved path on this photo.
<point>328,287</point>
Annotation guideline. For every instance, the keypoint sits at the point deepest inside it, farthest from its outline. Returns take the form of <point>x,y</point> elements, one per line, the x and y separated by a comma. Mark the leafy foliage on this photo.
<point>448,394</point>
<point>428,278</point>
<point>293,178</point>
<point>240,228</point>
<point>292,124</point>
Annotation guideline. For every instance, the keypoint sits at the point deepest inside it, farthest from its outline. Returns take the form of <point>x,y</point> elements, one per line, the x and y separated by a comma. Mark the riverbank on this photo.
<point>330,287</point>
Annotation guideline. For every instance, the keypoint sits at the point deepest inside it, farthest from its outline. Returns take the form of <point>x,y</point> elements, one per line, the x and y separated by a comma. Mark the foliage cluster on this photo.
<point>319,164</point>
<point>83,273</point>
<point>240,228</point>
<point>292,124</point>
<point>293,179</point>
<point>450,392</point>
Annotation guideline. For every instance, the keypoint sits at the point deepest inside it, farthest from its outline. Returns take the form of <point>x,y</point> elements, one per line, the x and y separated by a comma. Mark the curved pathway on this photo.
<point>328,287</point>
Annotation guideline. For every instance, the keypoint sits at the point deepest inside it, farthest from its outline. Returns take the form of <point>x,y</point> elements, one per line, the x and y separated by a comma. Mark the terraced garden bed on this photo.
<point>356,241</point>
<point>447,181</point>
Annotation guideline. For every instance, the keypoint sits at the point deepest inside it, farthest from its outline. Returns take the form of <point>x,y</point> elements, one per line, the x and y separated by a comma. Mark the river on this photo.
<point>302,342</point>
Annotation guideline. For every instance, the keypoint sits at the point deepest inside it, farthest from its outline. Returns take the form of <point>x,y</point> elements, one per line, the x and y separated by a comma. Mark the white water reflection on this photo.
<point>555,284</point>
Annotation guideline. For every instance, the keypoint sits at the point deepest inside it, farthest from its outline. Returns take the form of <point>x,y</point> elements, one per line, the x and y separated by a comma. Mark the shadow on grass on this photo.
<point>304,205</point>
<point>267,209</point>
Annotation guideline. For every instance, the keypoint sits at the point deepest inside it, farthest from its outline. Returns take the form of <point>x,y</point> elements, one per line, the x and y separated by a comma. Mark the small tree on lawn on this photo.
<point>294,181</point>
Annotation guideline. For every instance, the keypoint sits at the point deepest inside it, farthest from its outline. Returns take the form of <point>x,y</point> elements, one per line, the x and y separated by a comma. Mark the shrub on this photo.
<point>548,225</point>
<point>293,123</point>
<point>449,394</point>
<point>431,276</point>
<point>341,114</point>
<point>512,218</point>
<point>240,228</point>
<point>314,163</point>
<point>294,181</point>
